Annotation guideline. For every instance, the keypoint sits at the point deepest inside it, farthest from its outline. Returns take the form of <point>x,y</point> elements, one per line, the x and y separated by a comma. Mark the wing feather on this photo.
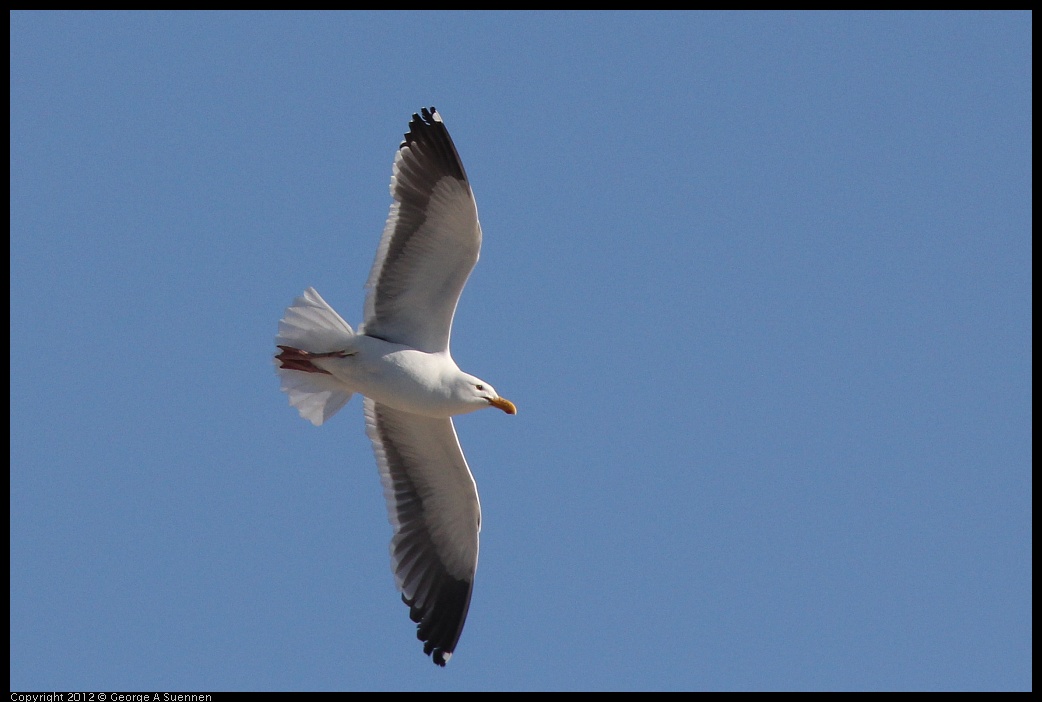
<point>432,503</point>
<point>430,242</point>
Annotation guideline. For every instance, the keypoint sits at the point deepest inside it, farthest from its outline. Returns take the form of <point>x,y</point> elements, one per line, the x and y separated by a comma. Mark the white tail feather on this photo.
<point>312,325</point>
<point>315,395</point>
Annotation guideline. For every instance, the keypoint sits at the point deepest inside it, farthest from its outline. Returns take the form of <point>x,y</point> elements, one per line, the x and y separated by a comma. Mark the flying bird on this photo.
<point>399,360</point>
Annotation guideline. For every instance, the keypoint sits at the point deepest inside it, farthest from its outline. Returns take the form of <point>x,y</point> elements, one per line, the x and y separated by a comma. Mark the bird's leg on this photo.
<point>300,360</point>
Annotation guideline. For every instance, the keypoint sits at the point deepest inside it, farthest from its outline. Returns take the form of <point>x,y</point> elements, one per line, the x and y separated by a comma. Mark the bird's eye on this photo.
<point>479,386</point>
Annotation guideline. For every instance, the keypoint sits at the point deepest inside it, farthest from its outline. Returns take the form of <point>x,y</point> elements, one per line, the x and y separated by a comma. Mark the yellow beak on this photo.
<point>503,404</point>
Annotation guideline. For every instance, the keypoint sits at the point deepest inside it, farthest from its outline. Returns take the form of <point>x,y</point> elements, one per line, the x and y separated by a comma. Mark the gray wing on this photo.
<point>430,243</point>
<point>432,503</point>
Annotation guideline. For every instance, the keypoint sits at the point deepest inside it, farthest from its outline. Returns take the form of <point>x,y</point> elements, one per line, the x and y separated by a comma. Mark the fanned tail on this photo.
<point>312,329</point>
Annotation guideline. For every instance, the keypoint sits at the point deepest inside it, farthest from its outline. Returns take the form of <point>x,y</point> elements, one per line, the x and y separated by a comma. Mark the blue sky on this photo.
<point>759,285</point>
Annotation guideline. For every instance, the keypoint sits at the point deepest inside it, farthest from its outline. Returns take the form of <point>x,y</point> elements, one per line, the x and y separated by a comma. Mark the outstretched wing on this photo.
<point>432,502</point>
<point>430,243</point>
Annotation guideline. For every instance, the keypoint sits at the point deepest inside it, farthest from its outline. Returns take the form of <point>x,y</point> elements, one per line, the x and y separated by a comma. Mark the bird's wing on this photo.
<point>432,503</point>
<point>430,243</point>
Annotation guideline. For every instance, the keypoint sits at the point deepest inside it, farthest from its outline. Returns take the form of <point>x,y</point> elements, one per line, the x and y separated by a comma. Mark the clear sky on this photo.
<point>759,285</point>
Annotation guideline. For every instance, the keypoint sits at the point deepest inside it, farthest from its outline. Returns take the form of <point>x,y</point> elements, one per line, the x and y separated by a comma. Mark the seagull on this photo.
<point>399,361</point>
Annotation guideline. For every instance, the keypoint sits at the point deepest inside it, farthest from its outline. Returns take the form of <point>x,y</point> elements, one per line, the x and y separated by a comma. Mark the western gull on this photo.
<point>399,361</point>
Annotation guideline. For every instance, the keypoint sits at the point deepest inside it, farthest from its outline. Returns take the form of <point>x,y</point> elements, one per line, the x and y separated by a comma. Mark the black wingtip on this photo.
<point>428,132</point>
<point>426,117</point>
<point>440,623</point>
